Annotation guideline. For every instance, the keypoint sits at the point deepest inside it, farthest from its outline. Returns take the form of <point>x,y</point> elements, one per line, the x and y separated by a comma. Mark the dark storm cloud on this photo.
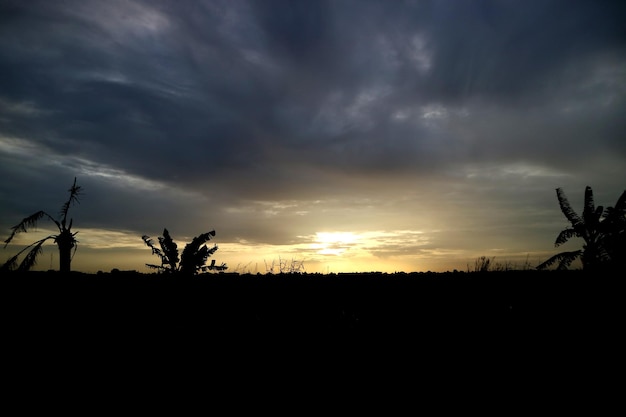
<point>506,49</point>
<point>299,32</point>
<point>233,101</point>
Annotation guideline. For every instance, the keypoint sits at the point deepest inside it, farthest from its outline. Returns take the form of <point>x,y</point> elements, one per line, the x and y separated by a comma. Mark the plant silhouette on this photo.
<point>603,232</point>
<point>65,239</point>
<point>191,261</point>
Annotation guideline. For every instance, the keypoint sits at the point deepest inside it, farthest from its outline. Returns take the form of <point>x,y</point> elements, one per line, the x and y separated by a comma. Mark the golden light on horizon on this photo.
<point>334,243</point>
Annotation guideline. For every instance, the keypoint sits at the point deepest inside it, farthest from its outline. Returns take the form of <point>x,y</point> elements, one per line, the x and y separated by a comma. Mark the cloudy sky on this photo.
<point>351,135</point>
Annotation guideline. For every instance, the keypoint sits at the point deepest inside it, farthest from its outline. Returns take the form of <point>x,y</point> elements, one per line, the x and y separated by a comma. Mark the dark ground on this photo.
<point>368,302</point>
<point>419,308</point>
<point>556,328</point>
<point>511,301</point>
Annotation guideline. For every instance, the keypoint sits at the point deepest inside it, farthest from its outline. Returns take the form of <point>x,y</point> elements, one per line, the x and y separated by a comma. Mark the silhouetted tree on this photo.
<point>65,239</point>
<point>603,232</point>
<point>613,238</point>
<point>191,261</point>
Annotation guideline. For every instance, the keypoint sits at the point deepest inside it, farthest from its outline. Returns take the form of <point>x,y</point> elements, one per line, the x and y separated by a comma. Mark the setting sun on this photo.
<point>334,243</point>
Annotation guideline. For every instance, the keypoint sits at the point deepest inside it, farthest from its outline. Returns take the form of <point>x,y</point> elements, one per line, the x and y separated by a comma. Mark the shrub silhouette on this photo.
<point>191,261</point>
<point>603,232</point>
<point>65,239</point>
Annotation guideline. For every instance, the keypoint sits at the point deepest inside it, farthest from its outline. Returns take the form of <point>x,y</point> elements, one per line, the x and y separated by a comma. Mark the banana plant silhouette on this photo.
<point>191,261</point>
<point>603,232</point>
<point>65,239</point>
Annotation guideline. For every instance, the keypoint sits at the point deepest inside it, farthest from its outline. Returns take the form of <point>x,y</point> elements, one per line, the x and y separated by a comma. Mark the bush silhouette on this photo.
<point>65,239</point>
<point>603,231</point>
<point>191,261</point>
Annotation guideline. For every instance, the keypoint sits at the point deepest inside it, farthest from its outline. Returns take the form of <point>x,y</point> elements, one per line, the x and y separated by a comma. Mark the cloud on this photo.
<point>275,119</point>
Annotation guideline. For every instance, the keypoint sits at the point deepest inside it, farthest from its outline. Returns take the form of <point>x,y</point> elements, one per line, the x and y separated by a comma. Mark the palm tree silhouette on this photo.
<point>65,239</point>
<point>614,233</point>
<point>191,261</point>
<point>602,230</point>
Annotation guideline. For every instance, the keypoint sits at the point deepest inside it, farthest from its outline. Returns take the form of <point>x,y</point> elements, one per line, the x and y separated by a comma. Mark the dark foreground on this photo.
<point>396,304</point>
<point>519,337</point>
<point>494,313</point>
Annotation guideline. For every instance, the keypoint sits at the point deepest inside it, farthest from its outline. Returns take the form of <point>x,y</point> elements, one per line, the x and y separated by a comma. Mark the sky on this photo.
<point>352,136</point>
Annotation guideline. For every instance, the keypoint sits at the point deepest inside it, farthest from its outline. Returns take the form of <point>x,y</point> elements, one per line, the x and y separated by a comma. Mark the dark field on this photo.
<point>536,331</point>
<point>505,302</point>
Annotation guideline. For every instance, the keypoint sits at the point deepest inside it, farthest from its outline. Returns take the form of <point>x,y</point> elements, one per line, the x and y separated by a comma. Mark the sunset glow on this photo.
<point>334,243</point>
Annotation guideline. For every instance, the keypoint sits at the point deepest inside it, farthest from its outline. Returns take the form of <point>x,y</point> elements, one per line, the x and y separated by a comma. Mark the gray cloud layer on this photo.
<point>198,111</point>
